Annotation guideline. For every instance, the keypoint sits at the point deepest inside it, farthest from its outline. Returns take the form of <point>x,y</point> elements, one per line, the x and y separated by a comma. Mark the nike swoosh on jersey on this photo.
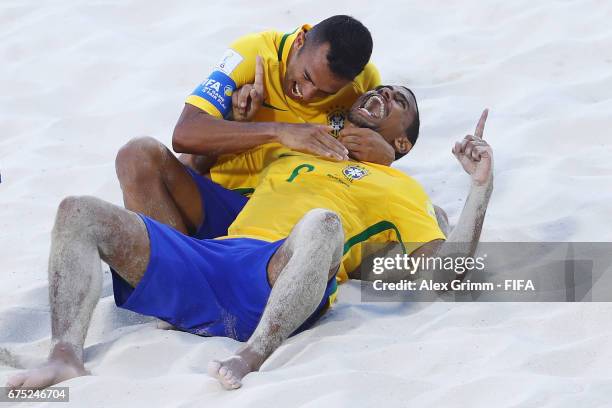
<point>267,105</point>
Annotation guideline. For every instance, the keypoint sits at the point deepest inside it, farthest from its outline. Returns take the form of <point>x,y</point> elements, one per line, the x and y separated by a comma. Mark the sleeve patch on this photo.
<point>229,62</point>
<point>218,90</point>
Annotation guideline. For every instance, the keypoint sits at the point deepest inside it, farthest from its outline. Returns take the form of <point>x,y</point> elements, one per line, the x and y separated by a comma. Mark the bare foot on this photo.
<point>62,365</point>
<point>231,371</point>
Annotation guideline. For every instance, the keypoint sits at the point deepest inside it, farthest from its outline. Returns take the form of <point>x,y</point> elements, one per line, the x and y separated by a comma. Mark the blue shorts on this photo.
<point>220,207</point>
<point>206,287</point>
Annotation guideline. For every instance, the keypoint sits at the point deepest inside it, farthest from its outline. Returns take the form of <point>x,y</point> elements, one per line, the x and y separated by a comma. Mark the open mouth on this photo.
<point>374,107</point>
<point>295,89</point>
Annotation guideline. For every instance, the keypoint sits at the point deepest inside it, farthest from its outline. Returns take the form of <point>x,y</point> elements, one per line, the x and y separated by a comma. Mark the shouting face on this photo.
<point>308,76</point>
<point>389,110</point>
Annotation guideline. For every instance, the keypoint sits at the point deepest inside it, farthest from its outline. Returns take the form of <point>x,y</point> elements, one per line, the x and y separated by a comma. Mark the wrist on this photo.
<point>276,132</point>
<point>386,155</point>
<point>483,185</point>
<point>385,162</point>
<point>380,154</point>
<point>390,158</point>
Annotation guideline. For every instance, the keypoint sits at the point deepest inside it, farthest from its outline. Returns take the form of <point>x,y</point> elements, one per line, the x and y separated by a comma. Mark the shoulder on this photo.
<point>400,181</point>
<point>260,43</point>
<point>368,79</point>
<point>239,60</point>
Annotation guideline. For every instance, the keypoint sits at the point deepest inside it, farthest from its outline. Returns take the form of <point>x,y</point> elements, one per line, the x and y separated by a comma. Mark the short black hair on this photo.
<point>412,131</point>
<point>350,44</point>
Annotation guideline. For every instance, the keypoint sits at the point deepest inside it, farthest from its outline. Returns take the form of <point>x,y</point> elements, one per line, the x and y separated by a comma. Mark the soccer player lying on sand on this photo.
<point>259,289</point>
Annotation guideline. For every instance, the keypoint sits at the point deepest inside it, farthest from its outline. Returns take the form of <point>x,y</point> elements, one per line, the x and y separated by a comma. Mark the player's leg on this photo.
<point>86,231</point>
<point>199,163</point>
<point>155,183</point>
<point>298,272</point>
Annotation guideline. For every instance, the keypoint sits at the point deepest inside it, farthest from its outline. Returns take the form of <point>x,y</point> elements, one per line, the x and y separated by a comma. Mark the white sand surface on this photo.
<point>79,78</point>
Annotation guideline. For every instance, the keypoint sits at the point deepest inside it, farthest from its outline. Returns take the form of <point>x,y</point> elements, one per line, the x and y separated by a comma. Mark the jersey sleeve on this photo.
<point>415,220</point>
<point>368,79</point>
<point>235,69</point>
<point>242,172</point>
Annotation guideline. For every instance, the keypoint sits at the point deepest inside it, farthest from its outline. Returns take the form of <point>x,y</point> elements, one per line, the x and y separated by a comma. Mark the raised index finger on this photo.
<point>259,73</point>
<point>481,124</point>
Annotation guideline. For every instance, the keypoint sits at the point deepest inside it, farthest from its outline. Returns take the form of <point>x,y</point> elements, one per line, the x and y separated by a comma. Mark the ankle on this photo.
<point>67,353</point>
<point>252,358</point>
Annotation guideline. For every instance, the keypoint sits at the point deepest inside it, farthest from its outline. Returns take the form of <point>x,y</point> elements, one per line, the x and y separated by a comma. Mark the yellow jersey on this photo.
<point>237,68</point>
<point>377,204</point>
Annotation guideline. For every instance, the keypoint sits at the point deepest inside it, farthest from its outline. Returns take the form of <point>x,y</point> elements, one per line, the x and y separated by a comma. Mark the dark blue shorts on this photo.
<point>203,286</point>
<point>220,207</point>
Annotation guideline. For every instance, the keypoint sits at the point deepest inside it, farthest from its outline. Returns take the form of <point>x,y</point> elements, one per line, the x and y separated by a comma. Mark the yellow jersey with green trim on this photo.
<point>237,68</point>
<point>377,204</point>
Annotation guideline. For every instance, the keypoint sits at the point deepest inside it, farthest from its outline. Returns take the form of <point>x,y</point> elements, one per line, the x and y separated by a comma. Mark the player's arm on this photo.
<point>476,158</point>
<point>367,145</point>
<point>198,132</point>
<point>203,129</point>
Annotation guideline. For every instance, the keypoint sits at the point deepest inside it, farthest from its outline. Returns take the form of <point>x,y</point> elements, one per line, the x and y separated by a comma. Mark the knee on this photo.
<point>139,158</point>
<point>72,205</point>
<point>326,224</point>
<point>74,210</point>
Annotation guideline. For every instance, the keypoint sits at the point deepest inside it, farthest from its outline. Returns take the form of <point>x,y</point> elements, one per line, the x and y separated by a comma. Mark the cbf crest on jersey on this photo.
<point>335,119</point>
<point>355,172</point>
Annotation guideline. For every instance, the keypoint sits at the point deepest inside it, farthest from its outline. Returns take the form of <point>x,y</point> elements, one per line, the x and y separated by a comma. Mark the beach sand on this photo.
<point>79,79</point>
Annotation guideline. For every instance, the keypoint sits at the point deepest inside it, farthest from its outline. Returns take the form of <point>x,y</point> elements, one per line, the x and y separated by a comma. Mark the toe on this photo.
<point>231,383</point>
<point>39,379</point>
<point>224,374</point>
<point>227,379</point>
<point>16,381</point>
<point>236,383</point>
<point>228,375</point>
<point>213,368</point>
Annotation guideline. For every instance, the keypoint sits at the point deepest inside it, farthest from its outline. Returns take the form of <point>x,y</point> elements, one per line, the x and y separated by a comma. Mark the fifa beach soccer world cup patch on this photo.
<point>219,86</point>
<point>355,172</point>
<point>229,62</point>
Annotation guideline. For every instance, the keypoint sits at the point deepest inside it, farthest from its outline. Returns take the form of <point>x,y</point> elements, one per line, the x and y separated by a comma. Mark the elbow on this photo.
<point>180,139</point>
<point>190,131</point>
